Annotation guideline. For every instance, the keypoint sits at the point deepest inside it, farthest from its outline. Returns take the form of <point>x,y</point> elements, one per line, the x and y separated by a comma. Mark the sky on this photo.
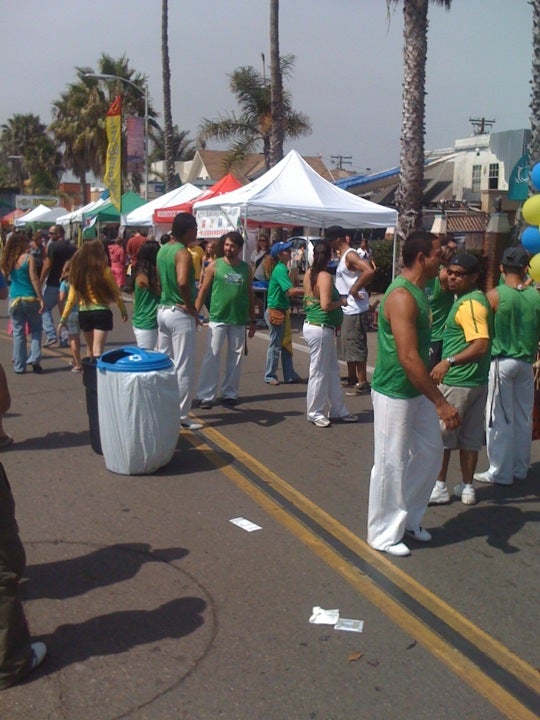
<point>348,72</point>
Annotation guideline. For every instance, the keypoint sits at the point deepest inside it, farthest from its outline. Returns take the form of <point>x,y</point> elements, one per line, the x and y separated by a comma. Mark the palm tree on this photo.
<point>79,114</point>
<point>276,92</point>
<point>167,113</point>
<point>410,191</point>
<point>253,126</point>
<point>182,148</point>
<point>534,144</point>
<point>38,166</point>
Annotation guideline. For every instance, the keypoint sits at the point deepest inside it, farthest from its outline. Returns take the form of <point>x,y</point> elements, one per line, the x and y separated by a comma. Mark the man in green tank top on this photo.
<point>231,309</point>
<point>406,403</point>
<point>509,406</point>
<point>463,374</point>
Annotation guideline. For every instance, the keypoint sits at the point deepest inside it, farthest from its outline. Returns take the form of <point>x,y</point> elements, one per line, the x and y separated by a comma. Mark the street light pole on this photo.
<point>144,91</point>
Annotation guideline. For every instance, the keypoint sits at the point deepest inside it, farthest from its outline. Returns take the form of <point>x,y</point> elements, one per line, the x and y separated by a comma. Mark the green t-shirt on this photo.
<point>230,293</point>
<point>517,323</point>
<point>166,265</point>
<point>469,319</point>
<point>318,316</point>
<point>145,307</point>
<point>389,377</point>
<point>280,282</point>
<point>440,302</point>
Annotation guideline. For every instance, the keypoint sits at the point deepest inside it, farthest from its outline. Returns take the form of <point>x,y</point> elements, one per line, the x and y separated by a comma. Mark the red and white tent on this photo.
<point>225,185</point>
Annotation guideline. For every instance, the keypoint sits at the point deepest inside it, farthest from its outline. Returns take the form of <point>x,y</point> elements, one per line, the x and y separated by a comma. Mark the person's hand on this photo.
<point>124,318</point>
<point>60,326</point>
<point>449,415</point>
<point>439,371</point>
<point>252,327</point>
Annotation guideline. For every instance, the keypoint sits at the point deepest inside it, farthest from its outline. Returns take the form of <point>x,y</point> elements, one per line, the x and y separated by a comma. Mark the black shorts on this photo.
<point>95,320</point>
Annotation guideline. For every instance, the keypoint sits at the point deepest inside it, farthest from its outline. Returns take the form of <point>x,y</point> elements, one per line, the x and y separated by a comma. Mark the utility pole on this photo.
<point>341,160</point>
<point>481,125</point>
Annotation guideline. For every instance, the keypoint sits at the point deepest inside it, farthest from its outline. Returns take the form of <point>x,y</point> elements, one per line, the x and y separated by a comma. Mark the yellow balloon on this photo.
<point>534,268</point>
<point>531,210</point>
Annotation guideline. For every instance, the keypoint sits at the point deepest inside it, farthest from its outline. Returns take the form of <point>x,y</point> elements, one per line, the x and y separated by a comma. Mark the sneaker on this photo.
<point>398,549</point>
<point>484,477</point>
<point>466,493</point>
<point>50,341</point>
<point>231,402</point>
<point>321,422</point>
<point>439,495</point>
<point>190,425</point>
<point>420,535</point>
<point>39,650</point>
<point>206,404</point>
<point>364,389</point>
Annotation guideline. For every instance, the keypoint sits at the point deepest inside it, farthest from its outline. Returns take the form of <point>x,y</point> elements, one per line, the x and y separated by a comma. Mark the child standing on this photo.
<point>72,320</point>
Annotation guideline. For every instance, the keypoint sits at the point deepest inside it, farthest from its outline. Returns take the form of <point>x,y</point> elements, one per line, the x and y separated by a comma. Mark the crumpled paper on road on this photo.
<point>320,616</point>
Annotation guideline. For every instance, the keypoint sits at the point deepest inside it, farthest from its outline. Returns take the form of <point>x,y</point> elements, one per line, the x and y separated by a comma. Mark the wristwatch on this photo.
<point>451,360</point>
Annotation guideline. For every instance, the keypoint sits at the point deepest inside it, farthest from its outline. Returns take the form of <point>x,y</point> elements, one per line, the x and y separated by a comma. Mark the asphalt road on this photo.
<point>155,606</point>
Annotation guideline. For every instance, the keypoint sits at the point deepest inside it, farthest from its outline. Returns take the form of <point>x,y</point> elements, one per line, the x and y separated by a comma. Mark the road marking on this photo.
<point>508,682</point>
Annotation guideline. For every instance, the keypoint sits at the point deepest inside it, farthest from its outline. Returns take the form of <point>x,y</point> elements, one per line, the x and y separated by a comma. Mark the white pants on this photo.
<point>324,387</point>
<point>208,379</point>
<point>408,455</point>
<point>146,339</point>
<point>176,338</point>
<point>509,409</point>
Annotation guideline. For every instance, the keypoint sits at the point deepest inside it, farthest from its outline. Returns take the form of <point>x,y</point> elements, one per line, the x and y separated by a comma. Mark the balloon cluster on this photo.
<point>530,239</point>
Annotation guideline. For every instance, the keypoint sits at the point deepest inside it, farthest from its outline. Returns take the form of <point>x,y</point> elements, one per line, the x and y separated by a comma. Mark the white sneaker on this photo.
<point>399,550</point>
<point>484,477</point>
<point>39,650</point>
<point>419,534</point>
<point>439,495</point>
<point>190,425</point>
<point>466,493</point>
<point>321,422</point>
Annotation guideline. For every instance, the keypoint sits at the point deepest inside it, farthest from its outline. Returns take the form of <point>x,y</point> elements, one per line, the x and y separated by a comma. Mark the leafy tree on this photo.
<point>410,191</point>
<point>30,154</point>
<point>253,127</point>
<point>182,147</point>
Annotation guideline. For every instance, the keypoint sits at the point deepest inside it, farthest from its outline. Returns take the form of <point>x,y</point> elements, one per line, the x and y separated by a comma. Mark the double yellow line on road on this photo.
<point>509,683</point>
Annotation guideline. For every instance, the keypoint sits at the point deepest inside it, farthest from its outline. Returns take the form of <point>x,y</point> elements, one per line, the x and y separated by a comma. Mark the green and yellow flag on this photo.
<point>113,164</point>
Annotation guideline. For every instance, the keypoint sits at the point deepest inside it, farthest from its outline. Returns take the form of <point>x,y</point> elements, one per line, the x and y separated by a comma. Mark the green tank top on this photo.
<point>517,323</point>
<point>145,307</point>
<point>167,275</point>
<point>318,316</point>
<point>389,377</point>
<point>230,293</point>
<point>440,303</point>
<point>472,374</point>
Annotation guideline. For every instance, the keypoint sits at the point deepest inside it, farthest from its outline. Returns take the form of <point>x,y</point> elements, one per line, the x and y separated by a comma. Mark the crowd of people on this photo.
<point>448,355</point>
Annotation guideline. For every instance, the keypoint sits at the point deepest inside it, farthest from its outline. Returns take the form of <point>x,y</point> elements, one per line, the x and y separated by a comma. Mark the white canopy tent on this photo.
<point>40,214</point>
<point>77,215</point>
<point>292,193</point>
<point>143,216</point>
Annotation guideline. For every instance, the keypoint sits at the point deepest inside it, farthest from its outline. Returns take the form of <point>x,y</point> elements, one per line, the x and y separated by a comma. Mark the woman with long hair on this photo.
<point>323,304</point>
<point>146,294</point>
<point>92,286</point>
<point>25,302</point>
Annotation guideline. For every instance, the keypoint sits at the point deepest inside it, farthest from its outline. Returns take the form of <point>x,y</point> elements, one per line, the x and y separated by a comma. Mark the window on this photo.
<point>476,175</point>
<point>494,176</point>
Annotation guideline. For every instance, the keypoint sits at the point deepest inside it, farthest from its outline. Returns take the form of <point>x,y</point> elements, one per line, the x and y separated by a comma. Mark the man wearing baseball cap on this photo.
<point>462,375</point>
<point>510,399</point>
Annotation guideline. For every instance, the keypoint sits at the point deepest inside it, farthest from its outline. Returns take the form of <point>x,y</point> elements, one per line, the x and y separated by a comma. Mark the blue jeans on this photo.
<point>50,299</point>
<point>275,350</point>
<point>22,312</point>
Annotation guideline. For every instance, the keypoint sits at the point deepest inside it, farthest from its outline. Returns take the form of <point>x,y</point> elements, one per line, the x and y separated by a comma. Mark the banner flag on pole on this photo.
<point>113,164</point>
<point>135,144</point>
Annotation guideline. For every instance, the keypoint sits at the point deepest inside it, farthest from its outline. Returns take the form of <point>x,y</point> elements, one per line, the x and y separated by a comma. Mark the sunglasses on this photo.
<point>458,273</point>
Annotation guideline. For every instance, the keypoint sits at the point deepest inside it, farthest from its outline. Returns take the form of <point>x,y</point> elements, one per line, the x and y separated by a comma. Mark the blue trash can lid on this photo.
<point>133,359</point>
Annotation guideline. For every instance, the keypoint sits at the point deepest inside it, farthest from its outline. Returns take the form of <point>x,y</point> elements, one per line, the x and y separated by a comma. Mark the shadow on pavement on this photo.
<point>61,579</point>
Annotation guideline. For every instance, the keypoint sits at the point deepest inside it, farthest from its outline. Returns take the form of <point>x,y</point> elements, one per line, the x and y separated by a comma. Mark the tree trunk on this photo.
<point>410,191</point>
<point>276,79</point>
<point>534,144</point>
<point>167,114</point>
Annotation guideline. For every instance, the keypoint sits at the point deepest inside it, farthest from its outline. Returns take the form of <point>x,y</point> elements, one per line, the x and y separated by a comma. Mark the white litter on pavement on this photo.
<point>350,625</point>
<point>320,616</point>
<point>245,524</point>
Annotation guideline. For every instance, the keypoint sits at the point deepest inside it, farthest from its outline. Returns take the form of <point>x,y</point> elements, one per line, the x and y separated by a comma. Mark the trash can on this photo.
<point>139,410</point>
<point>89,366</point>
